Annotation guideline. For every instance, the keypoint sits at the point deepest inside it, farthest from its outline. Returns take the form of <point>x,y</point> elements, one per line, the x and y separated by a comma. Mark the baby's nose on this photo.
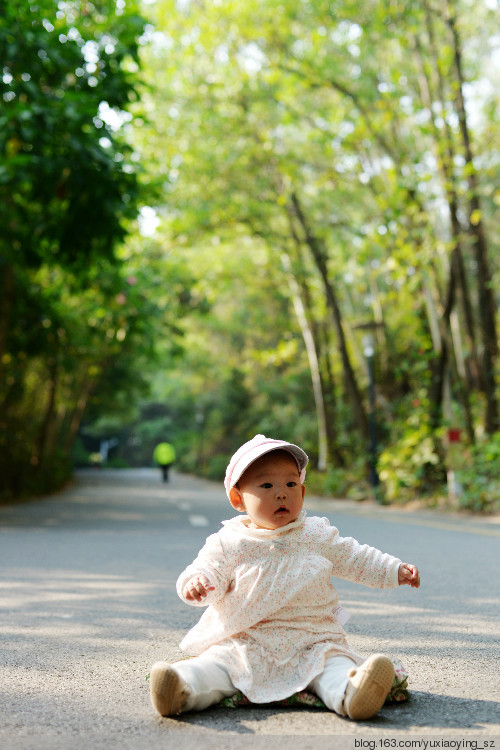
<point>281,493</point>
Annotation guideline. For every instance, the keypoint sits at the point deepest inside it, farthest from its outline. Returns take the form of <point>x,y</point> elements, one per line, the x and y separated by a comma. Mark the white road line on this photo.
<point>198,521</point>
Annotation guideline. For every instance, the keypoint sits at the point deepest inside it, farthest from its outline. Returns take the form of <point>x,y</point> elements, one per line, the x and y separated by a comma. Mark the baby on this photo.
<point>272,625</point>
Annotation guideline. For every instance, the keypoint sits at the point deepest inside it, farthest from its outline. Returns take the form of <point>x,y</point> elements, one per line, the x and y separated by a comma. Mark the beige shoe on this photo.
<point>169,692</point>
<point>368,687</point>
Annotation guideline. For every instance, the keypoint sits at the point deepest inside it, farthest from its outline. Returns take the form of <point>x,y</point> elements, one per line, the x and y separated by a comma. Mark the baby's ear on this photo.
<point>236,499</point>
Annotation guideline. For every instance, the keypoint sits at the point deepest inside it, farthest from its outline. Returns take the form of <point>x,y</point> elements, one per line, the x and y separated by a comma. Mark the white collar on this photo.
<point>238,524</point>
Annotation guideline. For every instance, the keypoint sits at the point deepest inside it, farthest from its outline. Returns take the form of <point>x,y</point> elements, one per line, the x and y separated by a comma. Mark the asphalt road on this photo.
<point>88,603</point>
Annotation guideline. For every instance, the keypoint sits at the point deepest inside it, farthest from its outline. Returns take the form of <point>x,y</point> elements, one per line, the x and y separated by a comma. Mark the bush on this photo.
<point>412,465</point>
<point>215,467</point>
<point>350,483</point>
<point>117,463</point>
<point>35,481</point>
<point>479,475</point>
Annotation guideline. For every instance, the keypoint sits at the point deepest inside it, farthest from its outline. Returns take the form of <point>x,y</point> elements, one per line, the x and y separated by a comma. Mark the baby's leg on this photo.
<point>356,692</point>
<point>331,684</point>
<point>188,685</point>
<point>208,680</point>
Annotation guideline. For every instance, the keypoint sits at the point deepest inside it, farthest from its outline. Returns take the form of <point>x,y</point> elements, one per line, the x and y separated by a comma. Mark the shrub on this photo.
<point>412,465</point>
<point>479,475</point>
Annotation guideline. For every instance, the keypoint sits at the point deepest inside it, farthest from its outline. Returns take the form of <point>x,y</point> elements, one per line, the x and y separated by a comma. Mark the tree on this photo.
<point>67,190</point>
<point>329,114</point>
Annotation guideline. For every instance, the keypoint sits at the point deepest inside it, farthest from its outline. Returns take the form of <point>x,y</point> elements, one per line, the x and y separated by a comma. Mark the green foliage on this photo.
<point>249,110</point>
<point>69,317</point>
<point>79,455</point>
<point>411,465</point>
<point>262,102</point>
<point>478,475</point>
<point>350,483</point>
<point>215,466</point>
<point>66,183</point>
<point>117,463</point>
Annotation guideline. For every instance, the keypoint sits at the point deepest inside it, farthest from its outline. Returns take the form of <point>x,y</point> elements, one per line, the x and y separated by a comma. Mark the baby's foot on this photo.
<point>368,687</point>
<point>169,692</point>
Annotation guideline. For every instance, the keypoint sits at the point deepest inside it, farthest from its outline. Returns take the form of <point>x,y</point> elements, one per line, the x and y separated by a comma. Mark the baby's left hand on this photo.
<point>408,574</point>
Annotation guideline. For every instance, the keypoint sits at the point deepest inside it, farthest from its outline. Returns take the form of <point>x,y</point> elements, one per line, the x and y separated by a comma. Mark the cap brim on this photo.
<point>299,455</point>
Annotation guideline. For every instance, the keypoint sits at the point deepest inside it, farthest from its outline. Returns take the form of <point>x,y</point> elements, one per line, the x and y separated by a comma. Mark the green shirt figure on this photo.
<point>164,455</point>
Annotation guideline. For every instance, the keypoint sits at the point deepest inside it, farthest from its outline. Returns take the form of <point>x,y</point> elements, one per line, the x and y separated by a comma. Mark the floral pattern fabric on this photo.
<point>272,617</point>
<point>398,694</point>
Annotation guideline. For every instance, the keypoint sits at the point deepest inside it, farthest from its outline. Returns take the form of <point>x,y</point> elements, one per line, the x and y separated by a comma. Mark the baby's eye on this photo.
<point>291,484</point>
<point>266,485</point>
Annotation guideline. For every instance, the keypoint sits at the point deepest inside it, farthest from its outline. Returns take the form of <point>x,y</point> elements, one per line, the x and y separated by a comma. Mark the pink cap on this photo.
<point>254,449</point>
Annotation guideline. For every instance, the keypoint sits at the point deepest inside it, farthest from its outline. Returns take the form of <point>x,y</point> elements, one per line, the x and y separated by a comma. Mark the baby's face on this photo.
<point>270,491</point>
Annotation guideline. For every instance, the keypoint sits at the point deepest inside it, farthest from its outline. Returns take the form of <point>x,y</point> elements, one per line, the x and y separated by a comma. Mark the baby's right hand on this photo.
<point>197,588</point>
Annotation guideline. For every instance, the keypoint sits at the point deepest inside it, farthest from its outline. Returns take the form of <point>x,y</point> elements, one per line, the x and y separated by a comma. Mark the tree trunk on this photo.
<point>41,442</point>
<point>77,414</point>
<point>445,153</point>
<point>313,363</point>
<point>441,337</point>
<point>486,301</point>
<point>6,302</point>
<point>329,390</point>
<point>319,258</point>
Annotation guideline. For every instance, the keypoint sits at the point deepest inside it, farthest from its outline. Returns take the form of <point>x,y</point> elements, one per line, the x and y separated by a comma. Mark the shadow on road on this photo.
<point>423,710</point>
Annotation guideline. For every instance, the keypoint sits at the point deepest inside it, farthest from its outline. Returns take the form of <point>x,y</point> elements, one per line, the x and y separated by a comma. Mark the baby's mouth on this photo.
<point>281,511</point>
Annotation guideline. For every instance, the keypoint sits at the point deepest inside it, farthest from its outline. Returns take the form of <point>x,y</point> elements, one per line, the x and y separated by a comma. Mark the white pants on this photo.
<point>210,682</point>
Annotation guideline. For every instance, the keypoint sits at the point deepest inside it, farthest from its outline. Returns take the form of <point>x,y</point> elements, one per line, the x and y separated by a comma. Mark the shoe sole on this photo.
<point>373,689</point>
<point>168,690</point>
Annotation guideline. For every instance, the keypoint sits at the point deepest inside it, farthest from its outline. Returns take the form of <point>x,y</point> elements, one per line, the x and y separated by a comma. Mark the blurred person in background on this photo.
<point>164,456</point>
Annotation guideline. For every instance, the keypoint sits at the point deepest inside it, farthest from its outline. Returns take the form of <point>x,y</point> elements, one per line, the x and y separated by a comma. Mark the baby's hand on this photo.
<point>197,588</point>
<point>408,574</point>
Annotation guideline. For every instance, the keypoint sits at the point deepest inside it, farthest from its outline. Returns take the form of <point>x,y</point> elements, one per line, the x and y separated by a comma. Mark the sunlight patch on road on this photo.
<point>198,521</point>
